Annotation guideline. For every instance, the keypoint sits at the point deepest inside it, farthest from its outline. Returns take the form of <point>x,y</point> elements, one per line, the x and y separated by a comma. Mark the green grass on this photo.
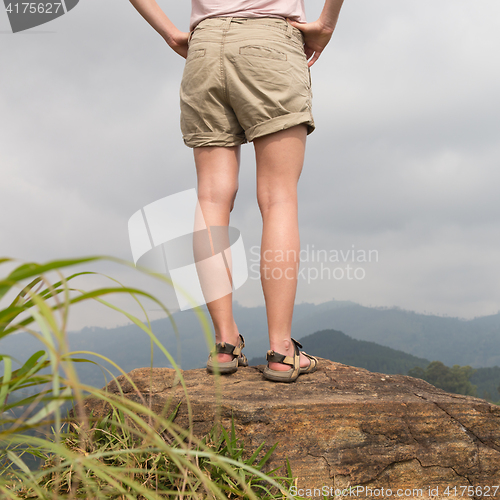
<point>152,466</point>
<point>132,453</point>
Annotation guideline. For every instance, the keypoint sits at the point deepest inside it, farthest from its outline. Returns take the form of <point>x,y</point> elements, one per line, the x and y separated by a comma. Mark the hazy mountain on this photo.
<point>473,342</point>
<point>337,346</point>
<point>450,340</point>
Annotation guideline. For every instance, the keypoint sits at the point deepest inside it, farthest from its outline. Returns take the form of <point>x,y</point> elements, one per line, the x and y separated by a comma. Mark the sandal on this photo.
<point>292,374</point>
<point>239,358</point>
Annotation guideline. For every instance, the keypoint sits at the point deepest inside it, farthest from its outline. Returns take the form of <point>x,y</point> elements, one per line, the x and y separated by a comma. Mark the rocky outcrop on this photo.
<point>384,435</point>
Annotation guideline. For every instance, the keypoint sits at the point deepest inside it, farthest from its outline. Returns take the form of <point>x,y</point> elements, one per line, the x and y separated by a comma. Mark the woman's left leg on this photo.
<point>217,171</point>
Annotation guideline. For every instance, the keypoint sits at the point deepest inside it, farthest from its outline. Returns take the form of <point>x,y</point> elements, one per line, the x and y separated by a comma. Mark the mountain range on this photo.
<point>412,339</point>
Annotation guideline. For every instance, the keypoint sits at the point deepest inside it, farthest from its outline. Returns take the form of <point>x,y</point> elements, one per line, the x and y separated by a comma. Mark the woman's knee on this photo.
<point>269,197</point>
<point>223,194</point>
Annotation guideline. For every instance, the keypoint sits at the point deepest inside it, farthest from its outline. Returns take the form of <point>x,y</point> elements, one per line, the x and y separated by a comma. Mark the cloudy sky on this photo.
<point>404,162</point>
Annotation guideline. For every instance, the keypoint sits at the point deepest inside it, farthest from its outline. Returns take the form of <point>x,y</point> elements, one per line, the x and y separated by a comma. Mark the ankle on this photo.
<point>228,336</point>
<point>282,346</point>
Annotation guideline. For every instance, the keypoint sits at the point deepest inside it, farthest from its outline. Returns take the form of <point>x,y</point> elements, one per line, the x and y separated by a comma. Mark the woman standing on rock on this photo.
<point>247,79</point>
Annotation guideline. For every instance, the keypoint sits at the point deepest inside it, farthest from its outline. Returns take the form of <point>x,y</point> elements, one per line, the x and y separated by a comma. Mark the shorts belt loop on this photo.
<point>227,23</point>
<point>289,30</point>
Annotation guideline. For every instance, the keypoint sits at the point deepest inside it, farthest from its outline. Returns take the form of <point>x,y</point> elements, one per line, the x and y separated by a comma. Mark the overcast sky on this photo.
<point>404,161</point>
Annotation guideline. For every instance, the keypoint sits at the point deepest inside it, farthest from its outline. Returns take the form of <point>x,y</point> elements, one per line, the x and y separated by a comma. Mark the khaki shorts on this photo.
<point>244,78</point>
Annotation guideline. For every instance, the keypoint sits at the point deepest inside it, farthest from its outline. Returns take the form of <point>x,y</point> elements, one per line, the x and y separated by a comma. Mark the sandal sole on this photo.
<point>276,376</point>
<point>223,368</point>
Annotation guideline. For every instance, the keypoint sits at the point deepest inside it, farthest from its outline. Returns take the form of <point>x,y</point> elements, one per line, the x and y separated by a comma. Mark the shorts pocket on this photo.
<point>196,54</point>
<point>265,64</point>
<point>264,52</point>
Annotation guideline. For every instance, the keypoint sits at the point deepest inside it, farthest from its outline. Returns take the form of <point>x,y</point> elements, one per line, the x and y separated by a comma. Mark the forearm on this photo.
<point>153,14</point>
<point>330,13</point>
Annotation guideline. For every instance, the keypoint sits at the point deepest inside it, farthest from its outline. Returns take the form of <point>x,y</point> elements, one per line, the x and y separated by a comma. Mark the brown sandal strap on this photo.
<point>294,361</point>
<point>274,357</point>
<point>225,348</point>
<point>238,349</point>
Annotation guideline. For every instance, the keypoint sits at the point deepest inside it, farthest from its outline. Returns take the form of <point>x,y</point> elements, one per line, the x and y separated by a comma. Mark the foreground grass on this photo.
<point>110,443</point>
<point>132,453</point>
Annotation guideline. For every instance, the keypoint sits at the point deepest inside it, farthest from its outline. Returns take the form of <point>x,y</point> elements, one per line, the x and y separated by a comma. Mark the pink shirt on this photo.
<point>201,9</point>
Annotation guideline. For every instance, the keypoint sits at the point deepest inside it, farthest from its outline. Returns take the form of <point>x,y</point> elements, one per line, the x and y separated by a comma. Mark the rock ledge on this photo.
<point>344,426</point>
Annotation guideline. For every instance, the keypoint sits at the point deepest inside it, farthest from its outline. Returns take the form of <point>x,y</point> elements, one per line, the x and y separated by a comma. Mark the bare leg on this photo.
<point>217,170</point>
<point>280,157</point>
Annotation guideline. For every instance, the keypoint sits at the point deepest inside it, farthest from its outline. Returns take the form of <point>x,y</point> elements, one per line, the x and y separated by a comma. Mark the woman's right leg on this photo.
<point>217,171</point>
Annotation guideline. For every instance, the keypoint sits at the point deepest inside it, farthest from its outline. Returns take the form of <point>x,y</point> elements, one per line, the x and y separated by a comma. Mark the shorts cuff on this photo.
<point>213,139</point>
<point>281,123</point>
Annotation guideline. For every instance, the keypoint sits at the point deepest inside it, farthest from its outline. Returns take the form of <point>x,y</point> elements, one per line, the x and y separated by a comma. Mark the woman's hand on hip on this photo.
<point>153,14</point>
<point>179,43</point>
<point>316,38</point>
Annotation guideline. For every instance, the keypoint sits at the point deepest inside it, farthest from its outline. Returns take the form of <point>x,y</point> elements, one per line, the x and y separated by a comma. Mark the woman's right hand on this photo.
<point>153,14</point>
<point>179,43</point>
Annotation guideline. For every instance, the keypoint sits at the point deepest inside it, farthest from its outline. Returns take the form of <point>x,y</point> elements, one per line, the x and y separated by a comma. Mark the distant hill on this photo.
<point>337,346</point>
<point>450,340</point>
<point>487,381</point>
<point>130,347</point>
<point>473,342</point>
